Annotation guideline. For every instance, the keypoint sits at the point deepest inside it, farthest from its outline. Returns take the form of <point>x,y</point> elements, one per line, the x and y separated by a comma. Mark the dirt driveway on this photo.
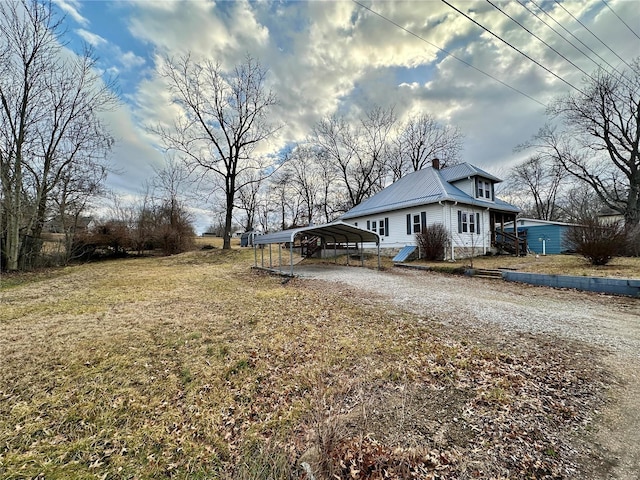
<point>610,322</point>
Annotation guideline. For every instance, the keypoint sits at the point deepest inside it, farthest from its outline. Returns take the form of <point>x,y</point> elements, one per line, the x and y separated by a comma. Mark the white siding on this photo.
<point>467,185</point>
<point>446,214</point>
<point>398,236</point>
<point>478,243</point>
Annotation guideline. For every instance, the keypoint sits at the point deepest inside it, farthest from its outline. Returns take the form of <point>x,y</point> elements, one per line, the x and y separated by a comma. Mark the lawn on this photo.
<point>194,366</point>
<point>623,267</point>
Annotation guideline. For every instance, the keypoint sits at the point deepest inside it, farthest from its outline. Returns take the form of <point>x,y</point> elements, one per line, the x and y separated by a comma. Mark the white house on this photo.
<point>461,198</point>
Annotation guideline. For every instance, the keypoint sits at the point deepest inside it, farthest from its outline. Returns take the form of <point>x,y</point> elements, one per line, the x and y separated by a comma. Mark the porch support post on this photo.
<point>280,257</point>
<point>515,234</point>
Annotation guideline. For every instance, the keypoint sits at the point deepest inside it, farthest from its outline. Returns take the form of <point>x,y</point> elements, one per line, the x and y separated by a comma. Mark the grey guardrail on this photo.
<point>618,286</point>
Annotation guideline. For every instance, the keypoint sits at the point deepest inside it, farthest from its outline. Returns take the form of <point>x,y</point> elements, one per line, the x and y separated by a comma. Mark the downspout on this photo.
<point>444,214</point>
<point>453,255</point>
<point>484,242</point>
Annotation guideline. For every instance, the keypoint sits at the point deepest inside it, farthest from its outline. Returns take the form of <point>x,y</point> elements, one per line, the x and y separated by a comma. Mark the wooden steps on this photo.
<point>486,273</point>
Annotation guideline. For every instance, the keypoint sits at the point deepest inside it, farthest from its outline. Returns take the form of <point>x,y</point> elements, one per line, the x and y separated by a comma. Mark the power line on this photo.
<point>625,23</point>
<point>537,37</point>
<point>513,47</point>
<point>566,39</point>
<point>594,35</point>
<point>449,54</point>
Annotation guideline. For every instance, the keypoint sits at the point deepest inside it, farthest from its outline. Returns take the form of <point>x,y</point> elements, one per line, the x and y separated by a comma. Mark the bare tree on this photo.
<point>223,119</point>
<point>174,231</point>
<point>49,105</point>
<point>599,139</point>
<point>305,177</point>
<point>248,198</point>
<point>578,202</point>
<point>358,154</point>
<point>422,139</point>
<point>540,181</point>
<point>72,195</point>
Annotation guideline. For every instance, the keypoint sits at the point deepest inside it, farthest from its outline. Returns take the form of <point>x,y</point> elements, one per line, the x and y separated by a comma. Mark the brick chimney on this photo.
<point>435,163</point>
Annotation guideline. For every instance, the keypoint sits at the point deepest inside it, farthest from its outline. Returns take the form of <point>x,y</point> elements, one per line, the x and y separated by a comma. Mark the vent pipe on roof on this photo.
<point>435,163</point>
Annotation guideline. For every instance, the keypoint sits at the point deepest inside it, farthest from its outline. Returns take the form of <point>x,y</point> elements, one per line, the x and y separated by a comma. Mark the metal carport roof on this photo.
<point>337,232</point>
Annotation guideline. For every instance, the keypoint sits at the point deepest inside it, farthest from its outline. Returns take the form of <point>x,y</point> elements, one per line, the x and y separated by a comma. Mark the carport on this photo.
<point>337,232</point>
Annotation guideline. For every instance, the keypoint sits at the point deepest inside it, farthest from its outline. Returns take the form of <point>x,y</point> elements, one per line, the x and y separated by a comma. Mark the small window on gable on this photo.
<point>487,190</point>
<point>479,188</point>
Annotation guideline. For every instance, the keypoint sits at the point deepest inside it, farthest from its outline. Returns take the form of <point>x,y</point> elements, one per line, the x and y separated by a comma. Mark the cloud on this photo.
<point>91,38</point>
<point>71,8</point>
<point>130,60</point>
<point>337,57</point>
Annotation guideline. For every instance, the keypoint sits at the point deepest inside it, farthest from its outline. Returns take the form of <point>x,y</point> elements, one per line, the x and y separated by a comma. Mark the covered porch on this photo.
<point>507,239</point>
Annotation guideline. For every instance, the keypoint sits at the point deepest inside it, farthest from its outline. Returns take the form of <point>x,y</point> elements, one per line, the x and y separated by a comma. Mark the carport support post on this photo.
<point>262,255</point>
<point>362,254</point>
<point>347,253</point>
<point>255,255</point>
<point>270,262</point>
<point>280,257</point>
<point>378,255</point>
<point>291,255</point>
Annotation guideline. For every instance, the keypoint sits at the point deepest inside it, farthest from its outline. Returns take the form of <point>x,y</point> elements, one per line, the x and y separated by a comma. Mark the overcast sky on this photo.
<point>325,57</point>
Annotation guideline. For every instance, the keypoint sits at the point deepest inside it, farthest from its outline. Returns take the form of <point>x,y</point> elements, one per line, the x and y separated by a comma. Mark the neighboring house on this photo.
<point>461,197</point>
<point>608,216</point>
<point>56,225</point>
<point>543,237</point>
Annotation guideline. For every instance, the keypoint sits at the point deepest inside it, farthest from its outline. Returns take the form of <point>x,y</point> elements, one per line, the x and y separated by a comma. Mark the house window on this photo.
<point>416,224</point>
<point>468,222</point>
<point>374,226</point>
<point>383,227</point>
<point>487,190</point>
<point>484,189</point>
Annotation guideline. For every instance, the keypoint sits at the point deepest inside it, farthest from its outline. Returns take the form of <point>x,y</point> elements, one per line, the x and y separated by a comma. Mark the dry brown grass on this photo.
<point>193,367</point>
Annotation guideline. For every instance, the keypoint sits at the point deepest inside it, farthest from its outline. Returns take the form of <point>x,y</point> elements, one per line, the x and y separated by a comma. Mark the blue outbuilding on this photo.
<point>543,236</point>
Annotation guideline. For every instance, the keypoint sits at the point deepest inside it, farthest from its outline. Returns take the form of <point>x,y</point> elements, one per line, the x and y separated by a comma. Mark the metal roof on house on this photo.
<point>424,187</point>
<point>335,231</point>
<point>465,170</point>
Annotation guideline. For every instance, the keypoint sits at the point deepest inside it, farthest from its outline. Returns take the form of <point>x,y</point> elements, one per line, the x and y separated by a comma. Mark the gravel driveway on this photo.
<point>604,320</point>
